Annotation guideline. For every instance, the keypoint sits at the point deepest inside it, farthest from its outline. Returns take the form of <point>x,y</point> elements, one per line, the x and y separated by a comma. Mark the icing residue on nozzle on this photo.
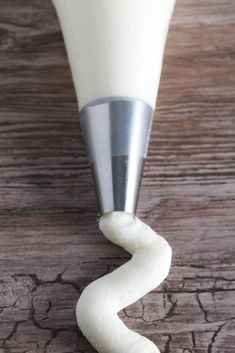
<point>100,302</point>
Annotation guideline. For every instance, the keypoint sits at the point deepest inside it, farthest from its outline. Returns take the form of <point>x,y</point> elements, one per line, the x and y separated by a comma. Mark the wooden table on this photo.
<point>50,246</point>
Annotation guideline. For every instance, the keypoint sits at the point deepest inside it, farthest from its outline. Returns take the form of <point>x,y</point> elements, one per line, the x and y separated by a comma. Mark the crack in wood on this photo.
<point>193,339</point>
<point>171,311</point>
<point>213,339</point>
<point>215,278</point>
<point>12,333</point>
<point>202,308</point>
<point>53,336</point>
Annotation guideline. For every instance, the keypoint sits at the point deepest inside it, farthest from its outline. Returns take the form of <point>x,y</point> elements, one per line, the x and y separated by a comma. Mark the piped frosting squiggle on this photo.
<point>100,302</point>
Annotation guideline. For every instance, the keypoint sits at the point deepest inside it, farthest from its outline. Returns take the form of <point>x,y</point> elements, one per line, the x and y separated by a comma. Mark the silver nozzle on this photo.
<point>117,132</point>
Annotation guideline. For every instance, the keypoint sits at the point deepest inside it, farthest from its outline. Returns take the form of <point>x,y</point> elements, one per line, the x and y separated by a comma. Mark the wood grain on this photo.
<point>50,247</point>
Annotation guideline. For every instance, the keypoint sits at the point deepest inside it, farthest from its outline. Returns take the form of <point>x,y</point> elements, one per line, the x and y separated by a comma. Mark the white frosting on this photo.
<point>100,302</point>
<point>115,47</point>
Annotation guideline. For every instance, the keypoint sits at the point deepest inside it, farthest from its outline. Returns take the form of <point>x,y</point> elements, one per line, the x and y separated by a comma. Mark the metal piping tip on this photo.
<point>117,132</point>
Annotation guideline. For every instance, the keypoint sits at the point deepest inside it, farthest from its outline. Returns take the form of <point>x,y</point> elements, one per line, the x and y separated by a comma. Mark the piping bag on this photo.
<point>115,50</point>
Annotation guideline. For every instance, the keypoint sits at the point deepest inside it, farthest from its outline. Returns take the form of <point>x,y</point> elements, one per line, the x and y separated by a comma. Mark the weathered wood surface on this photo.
<point>50,247</point>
